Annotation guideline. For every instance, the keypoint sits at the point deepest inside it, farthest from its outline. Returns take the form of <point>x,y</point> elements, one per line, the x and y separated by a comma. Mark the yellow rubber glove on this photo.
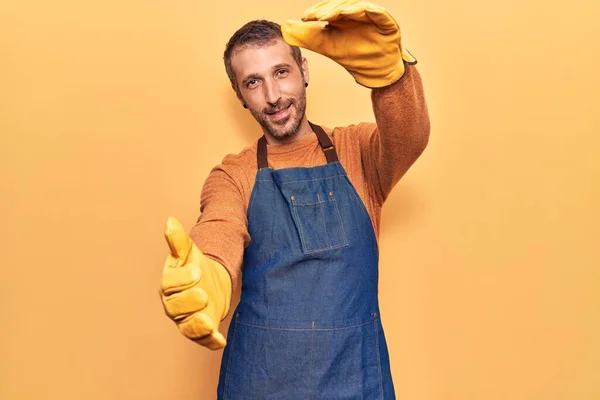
<point>360,36</point>
<point>195,290</point>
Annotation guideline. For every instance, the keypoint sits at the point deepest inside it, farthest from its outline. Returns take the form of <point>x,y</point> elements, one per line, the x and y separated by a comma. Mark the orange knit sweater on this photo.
<point>374,155</point>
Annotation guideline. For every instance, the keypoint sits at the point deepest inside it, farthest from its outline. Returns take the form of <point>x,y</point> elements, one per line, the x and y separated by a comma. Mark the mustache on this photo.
<point>280,105</point>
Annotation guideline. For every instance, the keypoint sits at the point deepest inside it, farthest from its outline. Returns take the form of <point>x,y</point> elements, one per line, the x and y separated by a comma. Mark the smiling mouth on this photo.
<point>279,113</point>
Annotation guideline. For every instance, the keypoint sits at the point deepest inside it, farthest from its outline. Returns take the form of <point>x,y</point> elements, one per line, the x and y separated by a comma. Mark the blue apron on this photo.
<point>308,324</point>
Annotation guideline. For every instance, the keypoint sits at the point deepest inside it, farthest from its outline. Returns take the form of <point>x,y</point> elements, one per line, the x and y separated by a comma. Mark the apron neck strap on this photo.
<point>324,142</point>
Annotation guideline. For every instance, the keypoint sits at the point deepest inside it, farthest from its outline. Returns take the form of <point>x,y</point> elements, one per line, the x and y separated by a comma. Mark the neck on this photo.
<point>303,130</point>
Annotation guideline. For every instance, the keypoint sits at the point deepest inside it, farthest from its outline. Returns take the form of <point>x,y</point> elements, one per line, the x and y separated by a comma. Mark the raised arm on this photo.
<point>401,133</point>
<point>365,39</point>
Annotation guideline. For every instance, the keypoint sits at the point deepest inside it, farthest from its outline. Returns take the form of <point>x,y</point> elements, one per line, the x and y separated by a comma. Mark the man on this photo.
<point>295,217</point>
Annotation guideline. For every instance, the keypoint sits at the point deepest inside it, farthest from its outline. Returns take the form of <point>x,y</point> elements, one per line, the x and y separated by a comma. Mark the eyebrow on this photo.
<point>257,76</point>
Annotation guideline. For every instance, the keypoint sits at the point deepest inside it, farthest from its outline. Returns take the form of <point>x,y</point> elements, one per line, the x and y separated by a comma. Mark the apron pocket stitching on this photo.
<point>302,239</point>
<point>345,238</point>
<point>324,222</point>
<point>337,221</point>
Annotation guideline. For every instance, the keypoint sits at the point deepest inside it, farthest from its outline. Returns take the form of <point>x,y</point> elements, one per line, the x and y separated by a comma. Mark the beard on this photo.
<point>287,126</point>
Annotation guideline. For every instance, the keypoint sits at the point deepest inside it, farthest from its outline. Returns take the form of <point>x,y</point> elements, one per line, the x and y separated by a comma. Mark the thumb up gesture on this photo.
<point>195,290</point>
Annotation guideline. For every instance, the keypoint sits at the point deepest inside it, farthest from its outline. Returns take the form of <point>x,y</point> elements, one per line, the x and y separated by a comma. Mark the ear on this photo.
<point>305,73</point>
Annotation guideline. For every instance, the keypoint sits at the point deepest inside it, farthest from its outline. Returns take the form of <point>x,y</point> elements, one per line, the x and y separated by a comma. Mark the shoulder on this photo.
<point>240,162</point>
<point>234,170</point>
<point>353,135</point>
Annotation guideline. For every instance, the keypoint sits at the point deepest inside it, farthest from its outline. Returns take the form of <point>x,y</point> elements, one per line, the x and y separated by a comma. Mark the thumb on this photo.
<point>311,35</point>
<point>214,341</point>
<point>178,240</point>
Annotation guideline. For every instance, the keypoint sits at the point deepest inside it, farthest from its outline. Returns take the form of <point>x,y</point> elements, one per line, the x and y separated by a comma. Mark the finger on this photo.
<point>177,279</point>
<point>310,14</point>
<point>180,243</point>
<point>332,10</point>
<point>181,305</point>
<point>356,11</point>
<point>197,326</point>
<point>309,35</point>
<point>369,13</point>
<point>380,17</point>
<point>328,14</point>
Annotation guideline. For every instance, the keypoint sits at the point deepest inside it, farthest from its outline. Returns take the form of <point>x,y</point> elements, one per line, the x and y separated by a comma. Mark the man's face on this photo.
<point>272,85</point>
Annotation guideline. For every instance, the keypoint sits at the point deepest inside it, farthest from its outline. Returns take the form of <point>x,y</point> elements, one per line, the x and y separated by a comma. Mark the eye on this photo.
<point>251,83</point>
<point>282,72</point>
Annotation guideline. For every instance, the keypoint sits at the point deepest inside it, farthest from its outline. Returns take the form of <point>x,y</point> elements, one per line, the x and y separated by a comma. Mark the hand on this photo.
<point>359,35</point>
<point>195,290</point>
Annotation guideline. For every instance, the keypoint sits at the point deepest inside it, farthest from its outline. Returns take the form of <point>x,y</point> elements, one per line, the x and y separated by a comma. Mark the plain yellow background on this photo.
<point>112,114</point>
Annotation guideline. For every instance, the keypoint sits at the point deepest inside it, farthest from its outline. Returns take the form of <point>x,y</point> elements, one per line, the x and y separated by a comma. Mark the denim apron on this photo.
<point>308,324</point>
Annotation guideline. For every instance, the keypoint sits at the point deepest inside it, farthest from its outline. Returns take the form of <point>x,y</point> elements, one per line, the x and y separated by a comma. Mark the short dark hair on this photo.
<point>255,33</point>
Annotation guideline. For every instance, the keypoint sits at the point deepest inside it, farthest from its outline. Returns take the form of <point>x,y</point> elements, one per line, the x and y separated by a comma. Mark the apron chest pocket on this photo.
<point>318,221</point>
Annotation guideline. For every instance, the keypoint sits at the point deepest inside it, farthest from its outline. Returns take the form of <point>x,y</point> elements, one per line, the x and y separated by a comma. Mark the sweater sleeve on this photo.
<point>393,144</point>
<point>221,231</point>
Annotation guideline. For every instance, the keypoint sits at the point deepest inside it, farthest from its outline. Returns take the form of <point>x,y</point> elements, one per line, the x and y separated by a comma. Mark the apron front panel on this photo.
<point>322,363</point>
<point>346,364</point>
<point>270,240</point>
<point>308,324</point>
<point>264,365</point>
<point>282,282</point>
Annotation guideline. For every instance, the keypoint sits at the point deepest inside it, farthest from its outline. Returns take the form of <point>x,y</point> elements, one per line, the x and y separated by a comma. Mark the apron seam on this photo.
<point>313,180</point>
<point>312,353</point>
<point>339,246</point>
<point>324,223</point>
<point>302,239</point>
<point>297,203</point>
<point>345,241</point>
<point>378,358</point>
<point>304,329</point>
<point>227,373</point>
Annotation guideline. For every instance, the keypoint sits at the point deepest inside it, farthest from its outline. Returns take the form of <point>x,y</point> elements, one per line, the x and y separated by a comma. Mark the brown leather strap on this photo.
<point>324,141</point>
<point>261,155</point>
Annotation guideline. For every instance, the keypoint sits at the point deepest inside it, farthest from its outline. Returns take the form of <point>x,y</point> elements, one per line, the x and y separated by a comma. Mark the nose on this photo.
<point>272,92</point>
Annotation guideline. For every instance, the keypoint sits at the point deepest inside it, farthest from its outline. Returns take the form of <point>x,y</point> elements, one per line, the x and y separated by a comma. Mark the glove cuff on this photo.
<point>385,78</point>
<point>225,285</point>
